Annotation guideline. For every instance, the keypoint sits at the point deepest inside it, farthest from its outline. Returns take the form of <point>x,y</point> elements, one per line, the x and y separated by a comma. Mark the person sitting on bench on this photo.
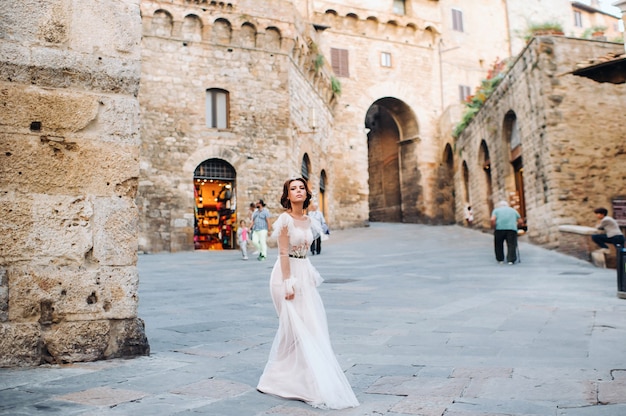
<point>612,233</point>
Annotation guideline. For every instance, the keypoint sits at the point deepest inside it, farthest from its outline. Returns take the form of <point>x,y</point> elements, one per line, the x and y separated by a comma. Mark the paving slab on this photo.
<point>422,318</point>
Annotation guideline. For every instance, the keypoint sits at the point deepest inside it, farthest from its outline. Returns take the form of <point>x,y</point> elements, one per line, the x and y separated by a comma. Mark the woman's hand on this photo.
<point>290,291</point>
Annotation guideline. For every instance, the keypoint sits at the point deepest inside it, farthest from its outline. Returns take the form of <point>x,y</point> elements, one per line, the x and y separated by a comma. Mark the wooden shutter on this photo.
<point>339,62</point>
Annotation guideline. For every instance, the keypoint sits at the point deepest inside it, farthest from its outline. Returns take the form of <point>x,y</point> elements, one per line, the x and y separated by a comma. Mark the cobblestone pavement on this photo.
<point>422,319</point>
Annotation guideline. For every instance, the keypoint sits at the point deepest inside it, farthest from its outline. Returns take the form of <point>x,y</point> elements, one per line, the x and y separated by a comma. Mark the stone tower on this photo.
<point>69,134</point>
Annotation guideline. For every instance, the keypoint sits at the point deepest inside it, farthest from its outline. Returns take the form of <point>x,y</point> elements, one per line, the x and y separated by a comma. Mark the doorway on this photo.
<point>215,206</point>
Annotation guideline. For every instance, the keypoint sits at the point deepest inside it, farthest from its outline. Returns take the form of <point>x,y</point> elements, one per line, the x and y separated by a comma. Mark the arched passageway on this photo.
<point>394,179</point>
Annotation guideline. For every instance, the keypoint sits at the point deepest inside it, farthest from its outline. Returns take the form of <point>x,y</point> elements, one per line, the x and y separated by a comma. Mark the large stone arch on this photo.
<point>394,178</point>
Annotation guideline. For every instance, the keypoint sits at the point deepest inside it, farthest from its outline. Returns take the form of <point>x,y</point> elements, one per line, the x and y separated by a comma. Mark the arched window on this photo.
<point>217,107</point>
<point>306,166</point>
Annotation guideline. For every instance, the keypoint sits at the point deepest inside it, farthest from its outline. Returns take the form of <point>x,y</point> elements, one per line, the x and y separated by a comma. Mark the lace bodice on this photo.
<point>299,232</point>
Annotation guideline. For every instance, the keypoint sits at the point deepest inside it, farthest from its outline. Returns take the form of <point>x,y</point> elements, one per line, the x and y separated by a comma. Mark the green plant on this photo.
<point>335,85</point>
<point>600,28</point>
<point>544,28</point>
<point>474,103</point>
<point>318,62</point>
<point>587,34</point>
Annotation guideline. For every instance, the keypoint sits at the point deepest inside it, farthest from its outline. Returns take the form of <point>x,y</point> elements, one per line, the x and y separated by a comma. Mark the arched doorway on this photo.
<point>514,180</point>
<point>394,179</point>
<point>485,163</point>
<point>444,194</point>
<point>215,205</point>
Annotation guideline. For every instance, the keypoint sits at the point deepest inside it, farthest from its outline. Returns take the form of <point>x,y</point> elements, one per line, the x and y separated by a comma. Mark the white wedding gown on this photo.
<point>302,364</point>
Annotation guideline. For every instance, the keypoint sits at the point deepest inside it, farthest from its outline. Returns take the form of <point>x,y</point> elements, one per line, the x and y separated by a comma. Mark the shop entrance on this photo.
<point>215,205</point>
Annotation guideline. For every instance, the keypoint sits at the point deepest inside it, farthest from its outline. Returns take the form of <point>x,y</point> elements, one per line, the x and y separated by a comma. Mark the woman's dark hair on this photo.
<point>284,199</point>
<point>602,211</point>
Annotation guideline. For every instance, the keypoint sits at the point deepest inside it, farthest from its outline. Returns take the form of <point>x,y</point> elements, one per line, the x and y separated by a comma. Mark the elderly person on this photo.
<point>504,220</point>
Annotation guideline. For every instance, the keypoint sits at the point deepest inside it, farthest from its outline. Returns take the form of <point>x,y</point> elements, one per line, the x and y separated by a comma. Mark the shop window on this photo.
<point>217,108</point>
<point>339,62</point>
<point>385,59</point>
<point>215,226</point>
<point>457,20</point>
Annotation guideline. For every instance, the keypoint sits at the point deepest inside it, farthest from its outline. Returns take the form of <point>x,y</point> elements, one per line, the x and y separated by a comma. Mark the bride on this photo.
<point>302,364</point>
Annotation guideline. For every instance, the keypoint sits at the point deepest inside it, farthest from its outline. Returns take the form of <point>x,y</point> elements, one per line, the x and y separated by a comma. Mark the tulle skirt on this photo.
<point>302,364</point>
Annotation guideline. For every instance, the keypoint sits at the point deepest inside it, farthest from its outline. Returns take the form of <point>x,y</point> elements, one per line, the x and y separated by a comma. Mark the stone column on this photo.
<point>69,165</point>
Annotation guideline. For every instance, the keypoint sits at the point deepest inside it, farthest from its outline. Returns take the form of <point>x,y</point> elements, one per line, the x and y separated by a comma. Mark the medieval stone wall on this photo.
<point>572,148</point>
<point>280,108</point>
<point>69,139</point>
<point>406,89</point>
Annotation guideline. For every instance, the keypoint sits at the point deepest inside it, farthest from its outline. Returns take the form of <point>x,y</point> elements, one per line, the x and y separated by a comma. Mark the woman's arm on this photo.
<point>285,267</point>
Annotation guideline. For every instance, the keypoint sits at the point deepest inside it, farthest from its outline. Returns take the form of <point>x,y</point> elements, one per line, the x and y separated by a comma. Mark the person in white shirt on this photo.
<point>317,217</point>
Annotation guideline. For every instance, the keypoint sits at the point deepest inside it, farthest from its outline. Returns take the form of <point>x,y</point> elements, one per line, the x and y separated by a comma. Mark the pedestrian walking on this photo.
<point>260,228</point>
<point>504,220</point>
<point>302,364</point>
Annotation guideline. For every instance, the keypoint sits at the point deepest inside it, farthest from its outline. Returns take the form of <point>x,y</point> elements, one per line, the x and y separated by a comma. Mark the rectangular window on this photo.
<point>578,18</point>
<point>385,59</point>
<point>216,109</point>
<point>457,20</point>
<point>339,62</point>
<point>399,7</point>
<point>464,92</point>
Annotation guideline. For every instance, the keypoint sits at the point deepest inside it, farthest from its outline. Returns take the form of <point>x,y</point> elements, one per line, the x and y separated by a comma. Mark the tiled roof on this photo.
<point>607,68</point>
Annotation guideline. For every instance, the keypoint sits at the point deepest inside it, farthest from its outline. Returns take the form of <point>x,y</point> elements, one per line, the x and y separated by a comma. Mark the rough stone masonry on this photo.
<point>69,163</point>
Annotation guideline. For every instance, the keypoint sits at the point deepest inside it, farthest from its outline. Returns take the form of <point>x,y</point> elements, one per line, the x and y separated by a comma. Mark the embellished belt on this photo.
<point>296,256</point>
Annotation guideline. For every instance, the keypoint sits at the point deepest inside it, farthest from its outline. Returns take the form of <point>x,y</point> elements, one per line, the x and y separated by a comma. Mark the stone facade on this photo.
<point>69,134</point>
<point>548,136</point>
<point>280,108</point>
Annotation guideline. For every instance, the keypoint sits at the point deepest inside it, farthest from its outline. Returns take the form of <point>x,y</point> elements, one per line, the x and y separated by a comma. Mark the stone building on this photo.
<point>373,152</point>
<point>237,96</point>
<point>69,134</point>
<point>234,100</point>
<point>546,140</point>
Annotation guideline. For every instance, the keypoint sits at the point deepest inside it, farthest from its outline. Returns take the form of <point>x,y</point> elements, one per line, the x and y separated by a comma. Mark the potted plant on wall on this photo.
<point>543,29</point>
<point>597,32</point>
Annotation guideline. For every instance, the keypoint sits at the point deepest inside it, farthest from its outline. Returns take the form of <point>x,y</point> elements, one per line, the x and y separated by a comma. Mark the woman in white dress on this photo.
<point>302,364</point>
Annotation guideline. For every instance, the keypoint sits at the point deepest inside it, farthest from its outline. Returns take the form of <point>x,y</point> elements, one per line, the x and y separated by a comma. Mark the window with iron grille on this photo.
<point>457,20</point>
<point>339,62</point>
<point>215,169</point>
<point>216,108</point>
